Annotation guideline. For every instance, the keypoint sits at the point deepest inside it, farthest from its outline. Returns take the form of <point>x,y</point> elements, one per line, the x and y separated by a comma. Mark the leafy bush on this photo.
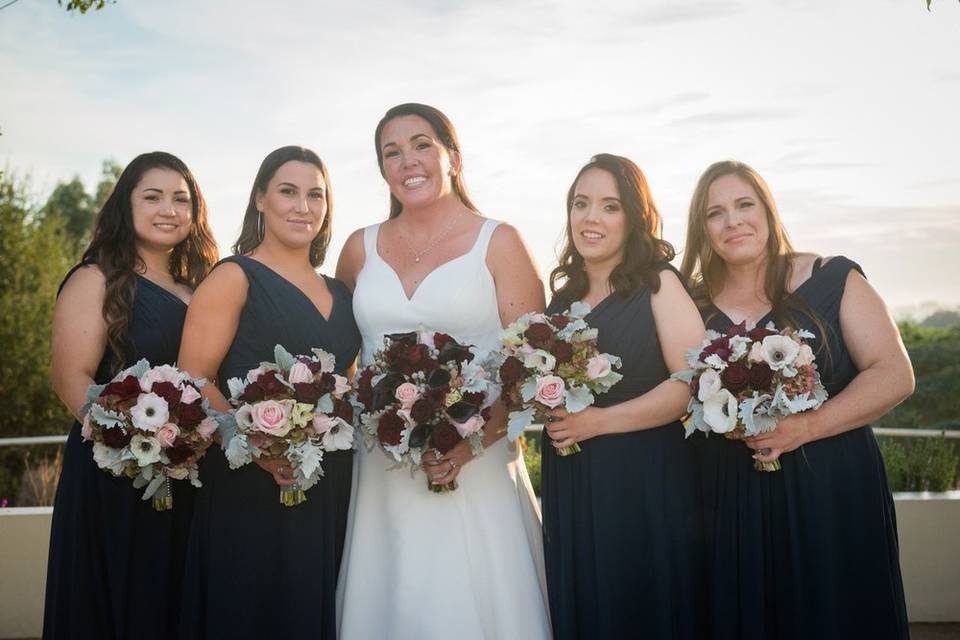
<point>531,455</point>
<point>920,464</point>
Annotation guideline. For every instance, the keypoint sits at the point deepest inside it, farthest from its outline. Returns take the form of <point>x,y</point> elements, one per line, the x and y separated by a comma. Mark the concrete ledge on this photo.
<point>928,524</point>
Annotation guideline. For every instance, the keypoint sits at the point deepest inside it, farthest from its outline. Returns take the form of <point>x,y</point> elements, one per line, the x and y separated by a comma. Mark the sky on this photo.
<point>849,110</point>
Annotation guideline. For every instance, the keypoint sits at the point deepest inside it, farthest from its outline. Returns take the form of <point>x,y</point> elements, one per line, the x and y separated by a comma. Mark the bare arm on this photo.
<point>885,378</point>
<point>679,328</point>
<point>351,259</point>
<point>210,327</point>
<point>79,336</point>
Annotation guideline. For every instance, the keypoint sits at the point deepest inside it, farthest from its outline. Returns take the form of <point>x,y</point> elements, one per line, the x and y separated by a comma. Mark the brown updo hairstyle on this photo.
<point>445,133</point>
<point>113,247</point>
<point>251,233</point>
<point>643,250</point>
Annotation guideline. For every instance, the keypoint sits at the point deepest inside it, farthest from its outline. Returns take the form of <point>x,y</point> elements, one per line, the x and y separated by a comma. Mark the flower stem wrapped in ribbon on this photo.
<point>745,380</point>
<point>149,424</point>
<point>295,407</point>
<point>424,391</point>
<point>550,361</point>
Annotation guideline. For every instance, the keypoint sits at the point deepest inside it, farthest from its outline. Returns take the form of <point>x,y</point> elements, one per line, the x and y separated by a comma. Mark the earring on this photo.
<point>260,229</point>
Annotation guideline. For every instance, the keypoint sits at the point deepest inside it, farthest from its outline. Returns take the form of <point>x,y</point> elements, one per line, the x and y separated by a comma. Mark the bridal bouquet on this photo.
<point>745,380</point>
<point>149,424</point>
<point>423,391</point>
<point>294,407</point>
<point>550,361</point>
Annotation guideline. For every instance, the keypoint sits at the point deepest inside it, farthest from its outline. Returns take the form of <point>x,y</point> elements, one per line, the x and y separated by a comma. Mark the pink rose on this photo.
<point>189,394</point>
<point>86,431</point>
<point>550,391</point>
<point>597,367</point>
<point>341,386</point>
<point>163,373</point>
<point>472,425</point>
<point>206,428</point>
<point>407,394</point>
<point>322,423</point>
<point>272,417</point>
<point>299,372</point>
<point>167,434</point>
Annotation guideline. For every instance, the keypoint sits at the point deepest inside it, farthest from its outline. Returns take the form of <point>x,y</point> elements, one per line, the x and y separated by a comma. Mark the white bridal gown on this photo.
<point>466,564</point>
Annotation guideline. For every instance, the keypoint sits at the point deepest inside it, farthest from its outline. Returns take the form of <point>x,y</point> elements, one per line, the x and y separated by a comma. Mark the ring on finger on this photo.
<point>453,465</point>
<point>764,452</point>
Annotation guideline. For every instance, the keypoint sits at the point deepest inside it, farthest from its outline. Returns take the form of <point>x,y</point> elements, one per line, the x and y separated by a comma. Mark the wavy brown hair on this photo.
<point>644,251</point>
<point>251,233</point>
<point>113,247</point>
<point>445,133</point>
<point>705,272</point>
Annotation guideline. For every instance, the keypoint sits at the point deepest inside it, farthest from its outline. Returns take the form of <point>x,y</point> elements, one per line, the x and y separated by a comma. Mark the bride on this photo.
<point>467,563</point>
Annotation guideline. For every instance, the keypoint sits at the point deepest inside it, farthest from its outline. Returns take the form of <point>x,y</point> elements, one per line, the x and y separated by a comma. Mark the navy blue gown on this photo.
<point>809,551</point>
<point>622,519</point>
<point>255,568</point>
<point>115,564</point>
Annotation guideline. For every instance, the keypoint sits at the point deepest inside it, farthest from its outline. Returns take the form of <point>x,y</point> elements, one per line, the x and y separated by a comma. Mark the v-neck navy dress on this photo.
<point>115,563</point>
<point>809,551</point>
<point>622,519</point>
<point>255,568</point>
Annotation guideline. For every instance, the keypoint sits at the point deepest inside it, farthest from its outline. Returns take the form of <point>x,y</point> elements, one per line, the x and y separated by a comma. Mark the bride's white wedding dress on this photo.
<point>465,564</point>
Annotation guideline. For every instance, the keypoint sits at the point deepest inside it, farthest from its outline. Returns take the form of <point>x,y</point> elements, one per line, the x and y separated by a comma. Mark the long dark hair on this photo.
<point>643,250</point>
<point>113,246</point>
<point>251,234</point>
<point>446,134</point>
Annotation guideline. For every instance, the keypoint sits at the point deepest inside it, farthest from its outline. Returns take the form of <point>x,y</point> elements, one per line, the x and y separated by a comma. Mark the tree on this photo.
<point>84,5</point>
<point>942,319</point>
<point>77,210</point>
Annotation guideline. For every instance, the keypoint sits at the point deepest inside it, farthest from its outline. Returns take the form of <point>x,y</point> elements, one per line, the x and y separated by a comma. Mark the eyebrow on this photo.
<point>580,195</point>
<point>161,190</point>
<point>412,138</point>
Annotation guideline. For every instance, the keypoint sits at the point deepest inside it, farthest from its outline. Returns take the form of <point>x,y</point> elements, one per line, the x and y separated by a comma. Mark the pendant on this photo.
<point>417,259</point>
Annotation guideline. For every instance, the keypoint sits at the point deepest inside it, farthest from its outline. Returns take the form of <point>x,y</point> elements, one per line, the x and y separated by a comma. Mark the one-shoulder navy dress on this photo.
<point>115,563</point>
<point>255,568</point>
<point>622,519</point>
<point>809,551</point>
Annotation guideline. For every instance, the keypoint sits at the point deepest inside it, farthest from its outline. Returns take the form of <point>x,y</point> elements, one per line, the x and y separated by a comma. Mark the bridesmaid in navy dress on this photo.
<point>255,568</point>
<point>809,551</point>
<point>115,563</point>
<point>623,537</point>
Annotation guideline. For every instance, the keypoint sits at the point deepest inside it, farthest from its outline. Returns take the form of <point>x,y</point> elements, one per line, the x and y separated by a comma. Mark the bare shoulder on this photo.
<point>505,240</point>
<point>85,282</point>
<point>351,258</point>
<point>226,281</point>
<point>671,291</point>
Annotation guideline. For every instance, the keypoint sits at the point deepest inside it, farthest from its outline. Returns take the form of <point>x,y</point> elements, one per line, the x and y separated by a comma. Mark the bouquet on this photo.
<point>552,361</point>
<point>294,407</point>
<point>423,391</point>
<point>149,424</point>
<point>745,380</point>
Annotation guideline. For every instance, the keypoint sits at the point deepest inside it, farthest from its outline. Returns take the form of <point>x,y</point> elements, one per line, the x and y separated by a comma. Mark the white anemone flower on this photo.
<point>779,351</point>
<point>150,413</point>
<point>738,347</point>
<point>109,458</point>
<point>720,411</point>
<point>709,385</point>
<point>244,416</point>
<point>540,360</point>
<point>146,450</point>
<point>339,437</point>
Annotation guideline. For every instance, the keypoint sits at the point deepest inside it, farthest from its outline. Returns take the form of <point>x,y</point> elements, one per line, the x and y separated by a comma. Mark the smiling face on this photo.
<point>161,208</point>
<point>294,204</point>
<point>736,221</point>
<point>416,165</point>
<point>598,224</point>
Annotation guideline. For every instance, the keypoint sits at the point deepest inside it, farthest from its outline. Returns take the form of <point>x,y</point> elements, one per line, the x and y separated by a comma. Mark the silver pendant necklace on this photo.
<point>419,254</point>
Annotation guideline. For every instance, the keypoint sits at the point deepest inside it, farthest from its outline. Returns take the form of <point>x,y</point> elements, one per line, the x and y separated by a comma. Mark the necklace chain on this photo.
<point>419,254</point>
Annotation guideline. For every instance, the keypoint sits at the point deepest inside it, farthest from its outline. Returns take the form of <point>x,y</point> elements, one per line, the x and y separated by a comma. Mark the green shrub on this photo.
<point>920,464</point>
<point>531,456</point>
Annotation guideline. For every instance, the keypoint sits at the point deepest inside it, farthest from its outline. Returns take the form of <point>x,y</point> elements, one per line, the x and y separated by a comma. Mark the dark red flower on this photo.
<point>179,453</point>
<point>761,376</point>
<point>440,340</point>
<point>445,437</point>
<point>719,347</point>
<point>390,429</point>
<point>512,370</point>
<point>312,364</point>
<point>437,396</point>
<point>327,383</point>
<point>474,397</point>
<point>485,414</point>
<point>343,409</point>
<point>168,391</point>
<point>252,393</point>
<point>307,392</point>
<point>125,389</point>
<point>559,320</point>
<point>269,383</point>
<point>421,411</point>
<point>735,378</point>
<point>116,437</point>
<point>562,351</point>
<point>759,333</point>
<point>365,387</point>
<point>191,415</point>
<point>538,335</point>
<point>737,329</point>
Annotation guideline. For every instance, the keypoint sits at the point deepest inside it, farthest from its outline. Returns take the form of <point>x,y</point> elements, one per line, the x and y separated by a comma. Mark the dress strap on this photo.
<point>370,235</point>
<point>483,238</point>
<point>817,264</point>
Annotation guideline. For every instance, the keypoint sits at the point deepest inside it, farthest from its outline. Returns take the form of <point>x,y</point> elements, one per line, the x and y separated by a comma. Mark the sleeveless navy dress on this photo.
<point>622,519</point>
<point>809,551</point>
<point>255,568</point>
<point>115,564</point>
